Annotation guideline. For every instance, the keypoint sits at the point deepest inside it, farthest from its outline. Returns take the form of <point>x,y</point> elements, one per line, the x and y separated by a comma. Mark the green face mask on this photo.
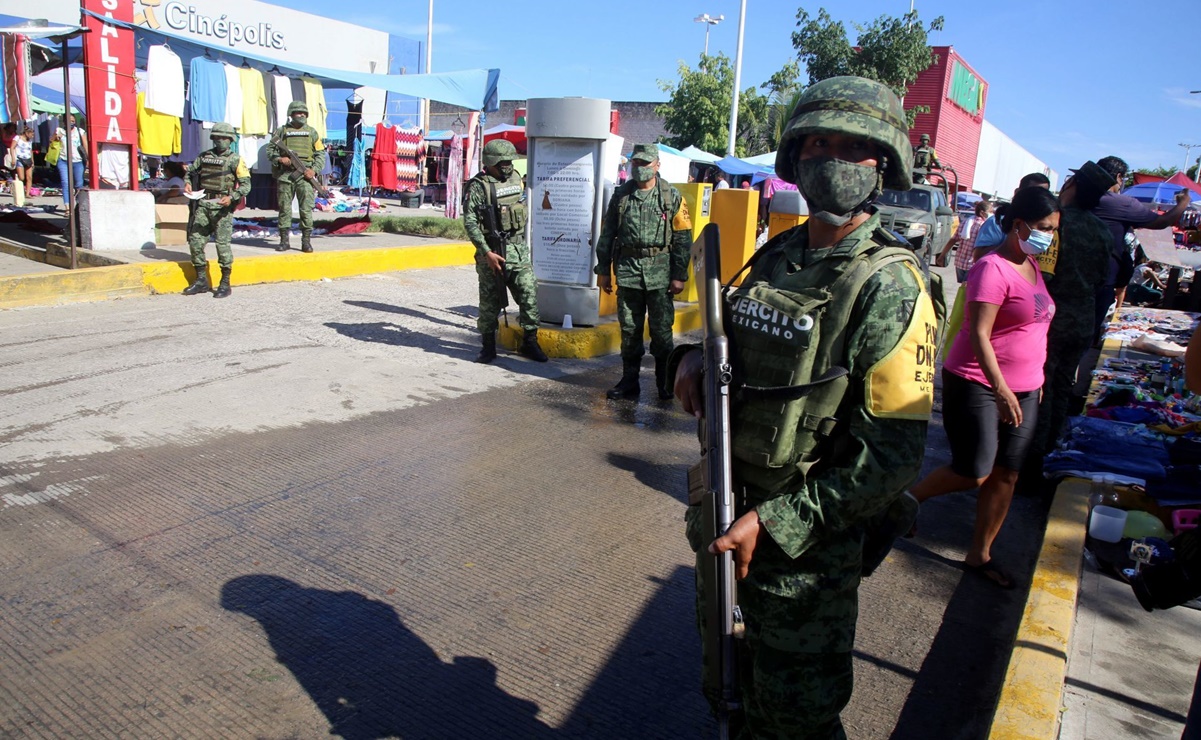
<point>505,170</point>
<point>834,189</point>
<point>299,119</point>
<point>644,174</point>
<point>221,145</point>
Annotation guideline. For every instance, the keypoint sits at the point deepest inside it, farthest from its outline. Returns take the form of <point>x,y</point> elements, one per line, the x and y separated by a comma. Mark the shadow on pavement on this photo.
<point>403,311</point>
<point>385,332</point>
<point>369,674</point>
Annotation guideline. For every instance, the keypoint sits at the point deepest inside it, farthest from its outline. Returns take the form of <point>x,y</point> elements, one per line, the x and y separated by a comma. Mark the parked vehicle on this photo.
<point>921,215</point>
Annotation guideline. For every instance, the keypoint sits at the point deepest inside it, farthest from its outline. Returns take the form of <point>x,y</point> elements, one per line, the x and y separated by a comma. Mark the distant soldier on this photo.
<point>223,176</point>
<point>924,157</point>
<point>306,143</point>
<point>495,216</point>
<point>644,240</point>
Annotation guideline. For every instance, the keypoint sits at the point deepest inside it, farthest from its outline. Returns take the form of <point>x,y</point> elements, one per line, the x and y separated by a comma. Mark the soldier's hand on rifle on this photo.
<point>688,382</point>
<point>676,287</point>
<point>224,200</point>
<point>605,283</point>
<point>741,537</point>
<point>495,261</point>
<point>284,161</point>
<point>308,172</point>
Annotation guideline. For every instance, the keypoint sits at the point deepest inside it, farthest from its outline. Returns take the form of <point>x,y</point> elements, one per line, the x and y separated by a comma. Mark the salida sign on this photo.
<point>109,78</point>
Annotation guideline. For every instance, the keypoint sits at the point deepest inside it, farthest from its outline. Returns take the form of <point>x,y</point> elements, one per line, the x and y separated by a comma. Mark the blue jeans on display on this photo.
<point>76,172</point>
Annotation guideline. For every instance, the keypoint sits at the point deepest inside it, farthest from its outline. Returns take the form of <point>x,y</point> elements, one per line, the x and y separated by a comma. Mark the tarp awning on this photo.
<point>476,89</point>
<point>736,166</point>
<point>763,160</point>
<point>699,155</point>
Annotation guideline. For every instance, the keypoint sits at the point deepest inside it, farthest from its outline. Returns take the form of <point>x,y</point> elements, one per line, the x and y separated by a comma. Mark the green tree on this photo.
<point>891,49</point>
<point>1191,172</point>
<point>1164,172</point>
<point>697,111</point>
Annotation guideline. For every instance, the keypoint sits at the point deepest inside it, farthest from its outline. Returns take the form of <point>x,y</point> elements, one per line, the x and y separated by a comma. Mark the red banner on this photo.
<point>109,82</point>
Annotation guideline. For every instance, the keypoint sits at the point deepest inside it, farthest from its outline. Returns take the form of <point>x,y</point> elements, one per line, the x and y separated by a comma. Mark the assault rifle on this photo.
<point>496,243</point>
<point>295,167</point>
<point>723,621</point>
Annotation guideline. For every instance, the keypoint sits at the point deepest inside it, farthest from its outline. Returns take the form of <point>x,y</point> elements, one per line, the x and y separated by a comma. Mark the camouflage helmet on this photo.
<point>853,106</point>
<point>497,151</point>
<point>298,106</point>
<point>222,129</point>
<point>925,138</point>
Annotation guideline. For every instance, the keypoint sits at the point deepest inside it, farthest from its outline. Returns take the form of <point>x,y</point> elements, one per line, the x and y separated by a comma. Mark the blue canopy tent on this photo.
<point>1157,192</point>
<point>735,166</point>
<point>476,89</point>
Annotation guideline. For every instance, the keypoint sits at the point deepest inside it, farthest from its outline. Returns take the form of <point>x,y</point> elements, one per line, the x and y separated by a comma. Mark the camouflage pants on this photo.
<point>305,196</point>
<point>633,307</point>
<point>217,223</point>
<point>521,283</point>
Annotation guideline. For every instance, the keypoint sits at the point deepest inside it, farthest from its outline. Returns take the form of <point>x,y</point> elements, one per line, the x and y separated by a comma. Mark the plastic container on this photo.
<point>1184,519</point>
<point>1106,523</point>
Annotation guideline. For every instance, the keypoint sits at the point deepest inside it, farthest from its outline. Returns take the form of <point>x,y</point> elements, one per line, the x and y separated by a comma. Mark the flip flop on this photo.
<point>991,573</point>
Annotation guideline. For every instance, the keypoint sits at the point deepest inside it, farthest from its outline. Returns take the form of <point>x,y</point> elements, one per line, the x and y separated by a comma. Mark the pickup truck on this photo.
<point>921,216</point>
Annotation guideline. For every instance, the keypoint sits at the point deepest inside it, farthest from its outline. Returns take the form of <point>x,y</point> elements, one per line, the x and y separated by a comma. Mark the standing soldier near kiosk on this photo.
<point>495,218</point>
<point>223,176</point>
<point>644,241</point>
<point>833,335</point>
<point>305,142</point>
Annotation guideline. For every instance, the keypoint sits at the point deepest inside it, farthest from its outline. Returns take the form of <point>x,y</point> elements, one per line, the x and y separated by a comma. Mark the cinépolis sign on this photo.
<point>183,17</point>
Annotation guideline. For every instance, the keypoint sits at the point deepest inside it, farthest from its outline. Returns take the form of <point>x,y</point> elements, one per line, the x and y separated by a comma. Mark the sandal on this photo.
<point>991,573</point>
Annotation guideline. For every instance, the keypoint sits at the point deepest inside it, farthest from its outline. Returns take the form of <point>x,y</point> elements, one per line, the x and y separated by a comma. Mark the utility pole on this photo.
<point>737,81</point>
<point>1188,148</point>
<point>709,22</point>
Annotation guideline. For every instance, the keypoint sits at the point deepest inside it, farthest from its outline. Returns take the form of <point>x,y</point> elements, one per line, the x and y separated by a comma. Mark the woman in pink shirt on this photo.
<point>993,376</point>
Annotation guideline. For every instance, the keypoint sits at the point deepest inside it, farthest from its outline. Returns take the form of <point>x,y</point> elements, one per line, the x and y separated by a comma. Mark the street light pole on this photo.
<point>429,59</point>
<point>709,21</point>
<point>737,81</point>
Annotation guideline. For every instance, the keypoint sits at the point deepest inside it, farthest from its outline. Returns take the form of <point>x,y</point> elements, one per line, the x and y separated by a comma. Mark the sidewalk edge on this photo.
<point>1032,694</point>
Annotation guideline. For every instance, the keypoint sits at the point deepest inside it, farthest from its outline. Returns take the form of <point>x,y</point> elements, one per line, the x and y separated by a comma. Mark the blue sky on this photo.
<point>1069,80</point>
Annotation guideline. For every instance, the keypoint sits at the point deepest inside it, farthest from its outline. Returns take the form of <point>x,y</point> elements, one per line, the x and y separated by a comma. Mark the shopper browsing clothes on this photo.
<point>78,144</point>
<point>225,180</point>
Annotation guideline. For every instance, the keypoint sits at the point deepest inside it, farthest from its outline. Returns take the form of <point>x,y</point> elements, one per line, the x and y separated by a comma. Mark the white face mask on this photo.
<point>1038,242</point>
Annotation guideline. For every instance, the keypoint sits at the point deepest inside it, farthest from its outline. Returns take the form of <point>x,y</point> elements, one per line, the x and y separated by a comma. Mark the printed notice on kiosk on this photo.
<point>562,198</point>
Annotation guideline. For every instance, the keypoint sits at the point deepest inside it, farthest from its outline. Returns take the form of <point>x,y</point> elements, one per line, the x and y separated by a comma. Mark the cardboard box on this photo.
<point>171,224</point>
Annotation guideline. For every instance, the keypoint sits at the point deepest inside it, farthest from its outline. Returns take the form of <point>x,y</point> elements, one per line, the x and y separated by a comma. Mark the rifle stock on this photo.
<point>724,626</point>
<point>496,242</point>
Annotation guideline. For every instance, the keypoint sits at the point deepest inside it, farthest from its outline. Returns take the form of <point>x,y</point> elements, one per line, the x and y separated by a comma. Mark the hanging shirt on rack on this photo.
<point>383,158</point>
<point>208,90</point>
<point>269,96</point>
<point>297,88</point>
<point>164,81</point>
<point>354,120</point>
<point>233,100</point>
<point>283,97</point>
<point>159,134</point>
<point>314,97</point>
<point>254,103</point>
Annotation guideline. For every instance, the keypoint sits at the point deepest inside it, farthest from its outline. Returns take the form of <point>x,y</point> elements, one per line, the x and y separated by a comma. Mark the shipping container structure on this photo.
<point>1001,163</point>
<point>956,96</point>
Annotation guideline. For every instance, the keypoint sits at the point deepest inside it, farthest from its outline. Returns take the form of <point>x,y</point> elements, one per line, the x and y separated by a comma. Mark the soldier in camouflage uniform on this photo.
<point>924,157</point>
<point>302,139</point>
<point>820,481</point>
<point>493,209</point>
<point>644,240</point>
<point>225,180</point>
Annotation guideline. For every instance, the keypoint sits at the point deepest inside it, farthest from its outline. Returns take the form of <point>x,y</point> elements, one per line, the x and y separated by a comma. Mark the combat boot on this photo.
<point>530,348</point>
<point>200,284</point>
<point>488,353</point>
<point>284,240</point>
<point>223,290</point>
<point>661,379</point>
<point>306,241</point>
<point>628,386</point>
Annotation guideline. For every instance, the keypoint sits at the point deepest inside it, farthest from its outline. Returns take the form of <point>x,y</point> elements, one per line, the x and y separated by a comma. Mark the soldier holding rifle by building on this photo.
<point>495,218</point>
<point>295,172</point>
<point>225,180</point>
<point>833,338</point>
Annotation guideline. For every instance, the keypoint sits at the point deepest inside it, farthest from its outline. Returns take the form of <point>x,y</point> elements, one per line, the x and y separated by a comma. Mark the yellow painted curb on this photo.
<point>90,284</point>
<point>591,341</point>
<point>1031,697</point>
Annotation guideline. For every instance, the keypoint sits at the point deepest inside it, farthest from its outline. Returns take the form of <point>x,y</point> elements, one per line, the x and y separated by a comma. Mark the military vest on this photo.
<point>666,203</point>
<point>505,199</point>
<point>218,173</point>
<point>788,333</point>
<point>301,140</point>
